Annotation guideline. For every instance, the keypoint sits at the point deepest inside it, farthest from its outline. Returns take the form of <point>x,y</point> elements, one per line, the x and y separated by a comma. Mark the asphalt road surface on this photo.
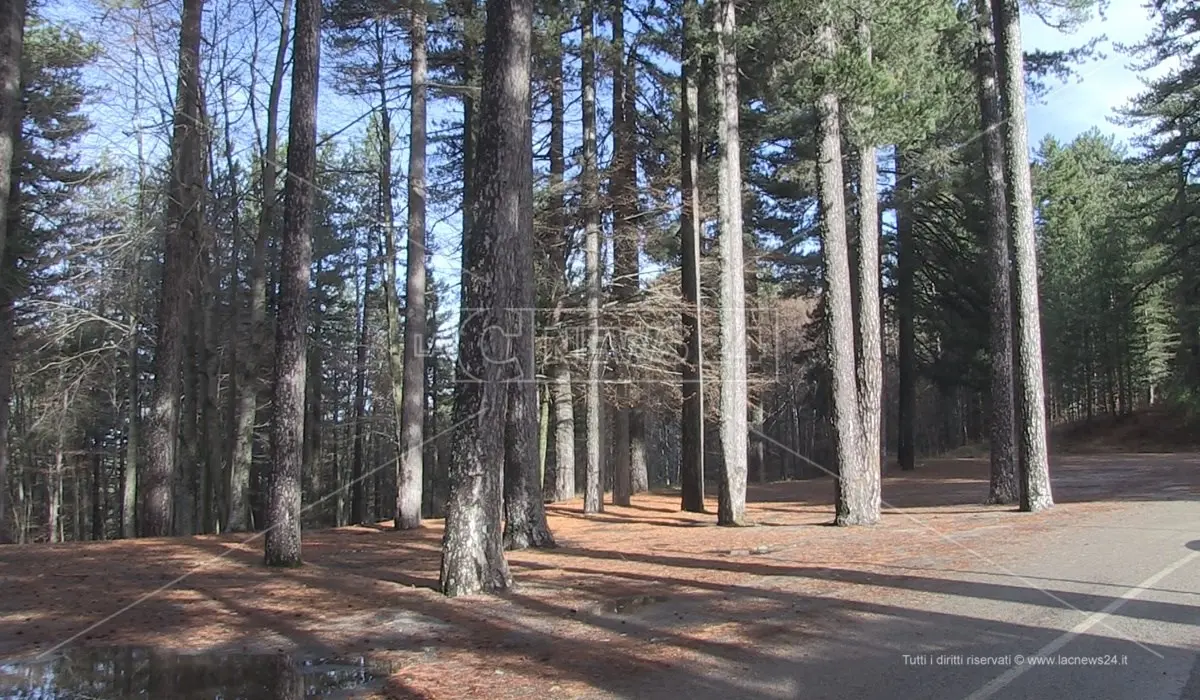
<point>1107,606</point>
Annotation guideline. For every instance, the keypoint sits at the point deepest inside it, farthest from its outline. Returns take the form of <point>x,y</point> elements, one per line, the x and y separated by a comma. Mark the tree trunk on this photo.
<point>524,508</point>
<point>412,411</point>
<point>209,382</point>
<point>183,230</point>
<point>593,493</point>
<point>254,332</point>
<point>757,453</point>
<point>870,343</point>
<point>639,473</point>
<point>853,496</point>
<point>314,413</point>
<point>905,316</point>
<point>561,399</point>
<point>129,472</point>
<point>691,468</point>
<point>287,425</point>
<point>1035,465</point>
<point>12,35</point>
<point>358,500</point>
<point>395,353</point>
<point>499,254</point>
<point>7,349</point>
<point>98,490</point>
<point>186,471</point>
<point>731,504</point>
<point>1003,483</point>
<point>623,193</point>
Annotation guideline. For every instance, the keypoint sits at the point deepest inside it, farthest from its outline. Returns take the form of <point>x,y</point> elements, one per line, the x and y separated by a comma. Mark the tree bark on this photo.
<point>852,499</point>
<point>183,229</point>
<point>691,468</point>
<point>524,507</point>
<point>395,352</point>
<point>639,469</point>
<point>1035,465</point>
<point>98,490</point>
<point>412,411</point>
<point>358,500</point>
<point>291,337</point>
<point>12,35</point>
<point>498,254</point>
<point>593,494</point>
<point>561,397</point>
<point>247,385</point>
<point>129,472</point>
<point>623,194</point>
<point>870,342</point>
<point>905,316</point>
<point>8,267</point>
<point>731,503</point>
<point>1003,483</point>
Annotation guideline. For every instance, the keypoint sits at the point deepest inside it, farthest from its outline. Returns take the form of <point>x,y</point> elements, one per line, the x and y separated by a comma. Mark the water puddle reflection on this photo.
<point>117,673</point>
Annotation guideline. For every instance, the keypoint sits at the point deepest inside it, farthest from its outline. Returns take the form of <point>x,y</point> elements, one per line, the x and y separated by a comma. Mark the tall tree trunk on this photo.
<point>561,398</point>
<point>852,495</point>
<point>593,493</point>
<point>731,504</point>
<point>691,467</point>
<point>129,472</point>
<point>12,35</point>
<point>395,352</point>
<point>905,316</point>
<point>412,411</point>
<point>623,193</point>
<point>210,412</point>
<point>639,479</point>
<point>358,495</point>
<point>472,554</point>
<point>870,342</point>
<point>287,426</point>
<point>314,412</point>
<point>524,507</point>
<point>1035,464</point>
<point>184,218</point>
<point>8,268</point>
<point>1003,484</point>
<point>254,332</point>
<point>757,453</point>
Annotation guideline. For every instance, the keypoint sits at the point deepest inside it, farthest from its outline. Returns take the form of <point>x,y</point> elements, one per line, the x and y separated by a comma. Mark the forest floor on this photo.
<point>626,595</point>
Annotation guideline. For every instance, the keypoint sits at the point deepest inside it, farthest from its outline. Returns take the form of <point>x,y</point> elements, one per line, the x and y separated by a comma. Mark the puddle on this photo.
<point>633,603</point>
<point>117,673</point>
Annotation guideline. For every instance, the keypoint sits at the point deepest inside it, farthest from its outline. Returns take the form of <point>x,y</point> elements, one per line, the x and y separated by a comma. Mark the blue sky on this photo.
<point>1103,85</point>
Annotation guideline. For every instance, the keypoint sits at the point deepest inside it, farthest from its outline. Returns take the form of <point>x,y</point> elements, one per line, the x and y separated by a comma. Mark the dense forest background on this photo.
<point>151,156</point>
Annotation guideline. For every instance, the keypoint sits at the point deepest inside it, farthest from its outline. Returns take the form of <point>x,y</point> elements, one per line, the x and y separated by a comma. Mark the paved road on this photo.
<point>1106,607</point>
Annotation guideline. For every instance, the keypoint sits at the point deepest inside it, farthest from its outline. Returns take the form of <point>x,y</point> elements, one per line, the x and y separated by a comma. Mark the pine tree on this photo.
<point>184,218</point>
<point>691,468</point>
<point>1035,466</point>
<point>1003,484</point>
<point>731,509</point>
<point>12,33</point>
<point>412,412</point>
<point>282,543</point>
<point>593,495</point>
<point>472,554</point>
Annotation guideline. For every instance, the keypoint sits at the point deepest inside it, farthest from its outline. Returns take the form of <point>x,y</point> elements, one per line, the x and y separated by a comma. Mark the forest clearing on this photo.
<point>602,349</point>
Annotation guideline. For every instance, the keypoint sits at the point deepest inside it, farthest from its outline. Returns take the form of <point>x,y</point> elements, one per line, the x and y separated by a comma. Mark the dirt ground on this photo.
<point>627,592</point>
